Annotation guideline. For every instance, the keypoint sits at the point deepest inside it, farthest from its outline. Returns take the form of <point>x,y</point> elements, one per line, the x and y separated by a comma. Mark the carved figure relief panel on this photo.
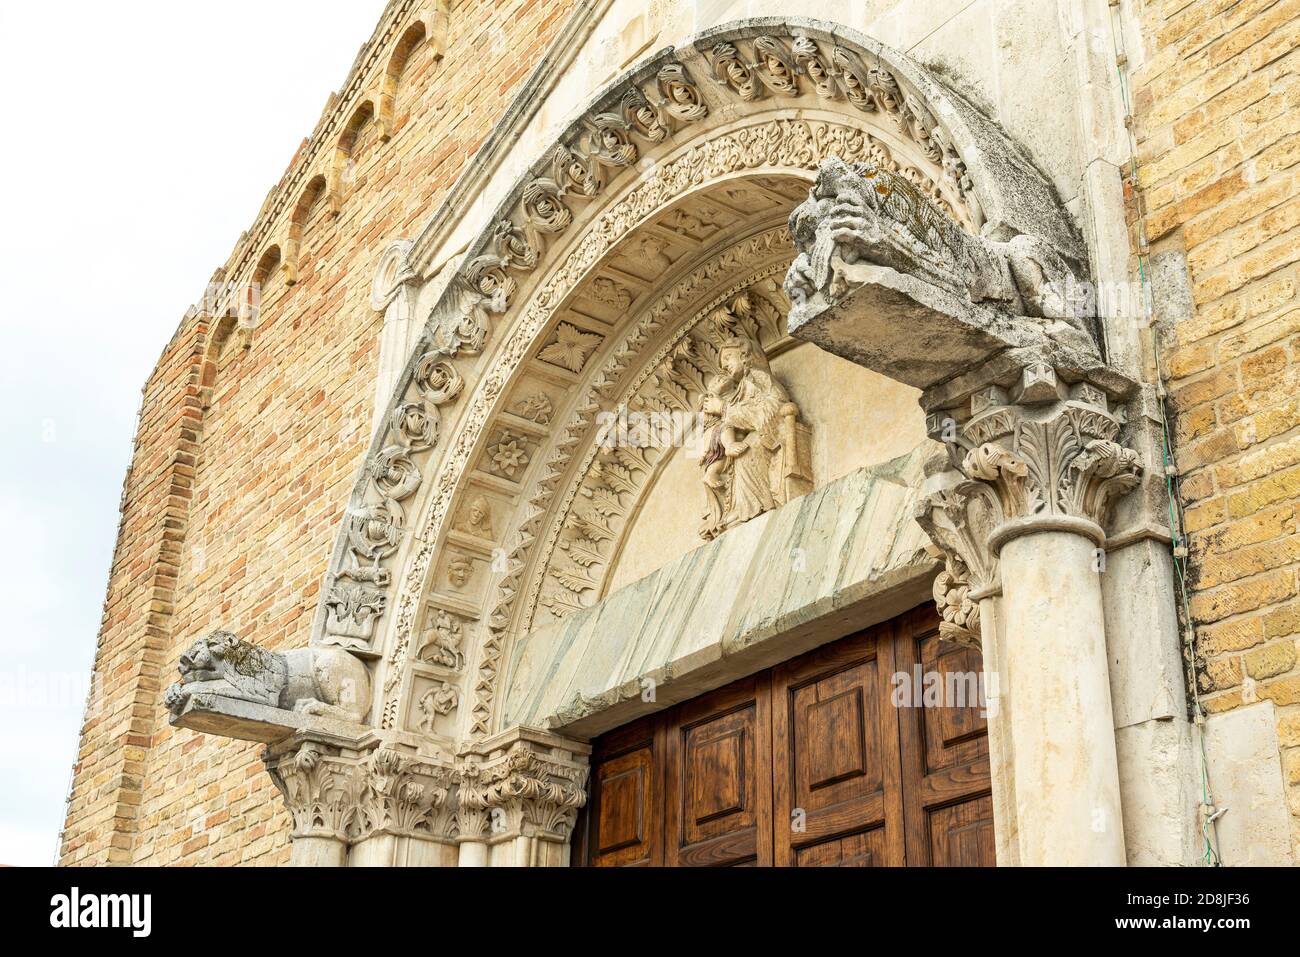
<point>707,392</point>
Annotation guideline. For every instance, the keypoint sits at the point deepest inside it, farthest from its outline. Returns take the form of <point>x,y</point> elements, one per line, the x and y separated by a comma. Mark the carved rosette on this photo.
<point>1049,458</point>
<point>525,791</point>
<point>959,613</point>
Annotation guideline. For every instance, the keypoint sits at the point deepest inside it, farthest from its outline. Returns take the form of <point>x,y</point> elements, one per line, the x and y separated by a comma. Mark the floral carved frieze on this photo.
<point>524,790</point>
<point>356,595</point>
<point>716,360</point>
<point>790,66</point>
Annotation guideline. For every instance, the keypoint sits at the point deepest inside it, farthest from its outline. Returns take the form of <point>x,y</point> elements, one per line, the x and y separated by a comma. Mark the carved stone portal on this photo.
<point>1016,388</point>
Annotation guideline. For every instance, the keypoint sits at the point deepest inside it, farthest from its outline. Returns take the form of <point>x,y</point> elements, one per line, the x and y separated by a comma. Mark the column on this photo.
<point>1031,475</point>
<point>405,815</point>
<point>318,780</point>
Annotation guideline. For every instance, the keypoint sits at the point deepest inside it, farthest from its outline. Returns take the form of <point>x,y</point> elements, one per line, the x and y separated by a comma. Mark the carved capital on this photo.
<point>960,515</point>
<point>320,785</point>
<point>1039,455</point>
<point>1059,460</point>
<point>404,794</point>
<point>529,787</point>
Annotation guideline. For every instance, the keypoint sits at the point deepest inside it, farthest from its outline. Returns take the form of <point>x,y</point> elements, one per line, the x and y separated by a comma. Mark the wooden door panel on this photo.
<point>624,823</point>
<point>835,756</point>
<point>718,754</point>
<point>814,763</point>
<point>961,835</point>
<point>956,734</point>
<point>944,749</point>
<point>863,849</point>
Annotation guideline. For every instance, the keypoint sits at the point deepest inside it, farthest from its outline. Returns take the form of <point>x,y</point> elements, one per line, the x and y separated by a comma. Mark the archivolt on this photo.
<point>655,136</point>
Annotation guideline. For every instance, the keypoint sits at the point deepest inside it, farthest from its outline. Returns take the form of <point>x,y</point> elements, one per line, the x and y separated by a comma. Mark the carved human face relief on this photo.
<point>459,571</point>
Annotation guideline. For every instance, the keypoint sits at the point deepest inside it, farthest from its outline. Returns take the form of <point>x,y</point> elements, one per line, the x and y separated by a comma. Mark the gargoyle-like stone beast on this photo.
<point>320,681</point>
<point>865,214</point>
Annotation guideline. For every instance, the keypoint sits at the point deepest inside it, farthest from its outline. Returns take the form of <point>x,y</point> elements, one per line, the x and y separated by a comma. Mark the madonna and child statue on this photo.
<point>755,449</point>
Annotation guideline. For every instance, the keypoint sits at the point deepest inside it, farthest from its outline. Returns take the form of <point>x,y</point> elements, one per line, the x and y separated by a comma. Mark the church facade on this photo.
<point>693,434</point>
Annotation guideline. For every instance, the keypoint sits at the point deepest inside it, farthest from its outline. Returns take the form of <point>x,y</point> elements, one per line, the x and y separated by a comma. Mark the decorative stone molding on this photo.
<point>321,786</point>
<point>521,783</point>
<point>1014,383</point>
<point>774,65</point>
<point>1050,460</point>
<point>672,382</point>
<point>405,795</point>
<point>591,184</point>
<point>349,790</point>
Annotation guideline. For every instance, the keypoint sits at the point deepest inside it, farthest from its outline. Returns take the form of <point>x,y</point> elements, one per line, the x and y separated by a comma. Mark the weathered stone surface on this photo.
<point>319,681</point>
<point>251,721</point>
<point>1245,772</point>
<point>837,558</point>
<point>883,277</point>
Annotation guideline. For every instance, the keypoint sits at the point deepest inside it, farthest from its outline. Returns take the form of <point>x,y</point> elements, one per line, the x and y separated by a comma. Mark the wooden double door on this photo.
<point>826,760</point>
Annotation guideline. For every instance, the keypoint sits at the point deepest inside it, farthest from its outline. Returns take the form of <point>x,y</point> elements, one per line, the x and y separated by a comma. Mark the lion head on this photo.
<point>203,660</point>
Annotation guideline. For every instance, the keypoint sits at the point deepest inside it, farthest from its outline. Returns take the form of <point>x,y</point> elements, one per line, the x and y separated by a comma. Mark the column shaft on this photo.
<point>1062,728</point>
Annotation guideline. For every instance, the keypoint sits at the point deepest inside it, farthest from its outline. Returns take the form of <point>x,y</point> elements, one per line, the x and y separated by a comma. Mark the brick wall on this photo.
<point>229,512</point>
<point>1217,104</point>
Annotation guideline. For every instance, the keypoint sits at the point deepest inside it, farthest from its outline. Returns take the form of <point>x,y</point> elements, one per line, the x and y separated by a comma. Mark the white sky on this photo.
<point>141,139</point>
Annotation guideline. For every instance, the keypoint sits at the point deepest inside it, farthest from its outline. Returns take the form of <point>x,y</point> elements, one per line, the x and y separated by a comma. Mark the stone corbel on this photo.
<point>238,690</point>
<point>992,332</point>
<point>1030,415</point>
<point>521,786</point>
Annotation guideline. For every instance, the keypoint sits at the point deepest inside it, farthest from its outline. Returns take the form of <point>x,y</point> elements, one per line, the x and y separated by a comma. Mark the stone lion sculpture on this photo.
<point>869,215</point>
<point>320,681</point>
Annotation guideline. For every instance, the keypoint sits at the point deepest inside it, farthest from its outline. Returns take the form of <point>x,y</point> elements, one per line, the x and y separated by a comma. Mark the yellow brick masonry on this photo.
<point>229,513</point>
<point>1217,105</point>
